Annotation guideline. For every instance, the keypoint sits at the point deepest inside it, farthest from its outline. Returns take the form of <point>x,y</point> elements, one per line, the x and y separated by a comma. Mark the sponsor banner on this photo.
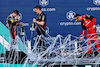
<point>97,4</point>
<point>70,23</point>
<point>45,3</point>
<point>70,16</point>
<point>59,14</point>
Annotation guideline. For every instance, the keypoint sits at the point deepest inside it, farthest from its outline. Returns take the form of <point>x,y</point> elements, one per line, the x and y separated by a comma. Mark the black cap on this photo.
<point>76,17</point>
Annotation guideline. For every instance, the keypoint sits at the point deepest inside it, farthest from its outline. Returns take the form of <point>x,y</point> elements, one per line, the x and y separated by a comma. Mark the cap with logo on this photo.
<point>76,17</point>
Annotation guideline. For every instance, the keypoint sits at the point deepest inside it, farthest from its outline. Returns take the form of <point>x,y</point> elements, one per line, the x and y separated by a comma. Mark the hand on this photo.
<point>21,23</point>
<point>32,29</point>
<point>34,20</point>
<point>94,26</point>
<point>81,38</point>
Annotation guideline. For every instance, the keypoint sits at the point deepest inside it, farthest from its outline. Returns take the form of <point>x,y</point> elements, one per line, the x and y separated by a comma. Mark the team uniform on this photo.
<point>87,22</point>
<point>12,24</point>
<point>41,30</point>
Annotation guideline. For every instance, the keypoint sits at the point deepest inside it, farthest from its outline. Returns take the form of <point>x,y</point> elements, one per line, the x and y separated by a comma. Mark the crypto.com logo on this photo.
<point>43,2</point>
<point>96,2</point>
<point>70,15</point>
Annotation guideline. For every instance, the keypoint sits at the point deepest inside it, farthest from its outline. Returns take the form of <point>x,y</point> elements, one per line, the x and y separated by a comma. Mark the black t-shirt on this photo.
<point>41,29</point>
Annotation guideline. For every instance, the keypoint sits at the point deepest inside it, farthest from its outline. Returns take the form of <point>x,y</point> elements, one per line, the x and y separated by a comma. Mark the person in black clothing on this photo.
<point>41,26</point>
<point>12,20</point>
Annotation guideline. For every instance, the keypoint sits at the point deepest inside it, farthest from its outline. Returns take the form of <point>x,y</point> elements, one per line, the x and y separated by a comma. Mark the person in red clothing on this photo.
<point>88,22</point>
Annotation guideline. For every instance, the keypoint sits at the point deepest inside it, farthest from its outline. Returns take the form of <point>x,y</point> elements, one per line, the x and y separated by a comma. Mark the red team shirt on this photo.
<point>87,23</point>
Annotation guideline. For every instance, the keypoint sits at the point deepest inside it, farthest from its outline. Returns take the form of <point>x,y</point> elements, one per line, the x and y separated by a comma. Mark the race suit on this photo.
<point>12,25</point>
<point>87,22</point>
